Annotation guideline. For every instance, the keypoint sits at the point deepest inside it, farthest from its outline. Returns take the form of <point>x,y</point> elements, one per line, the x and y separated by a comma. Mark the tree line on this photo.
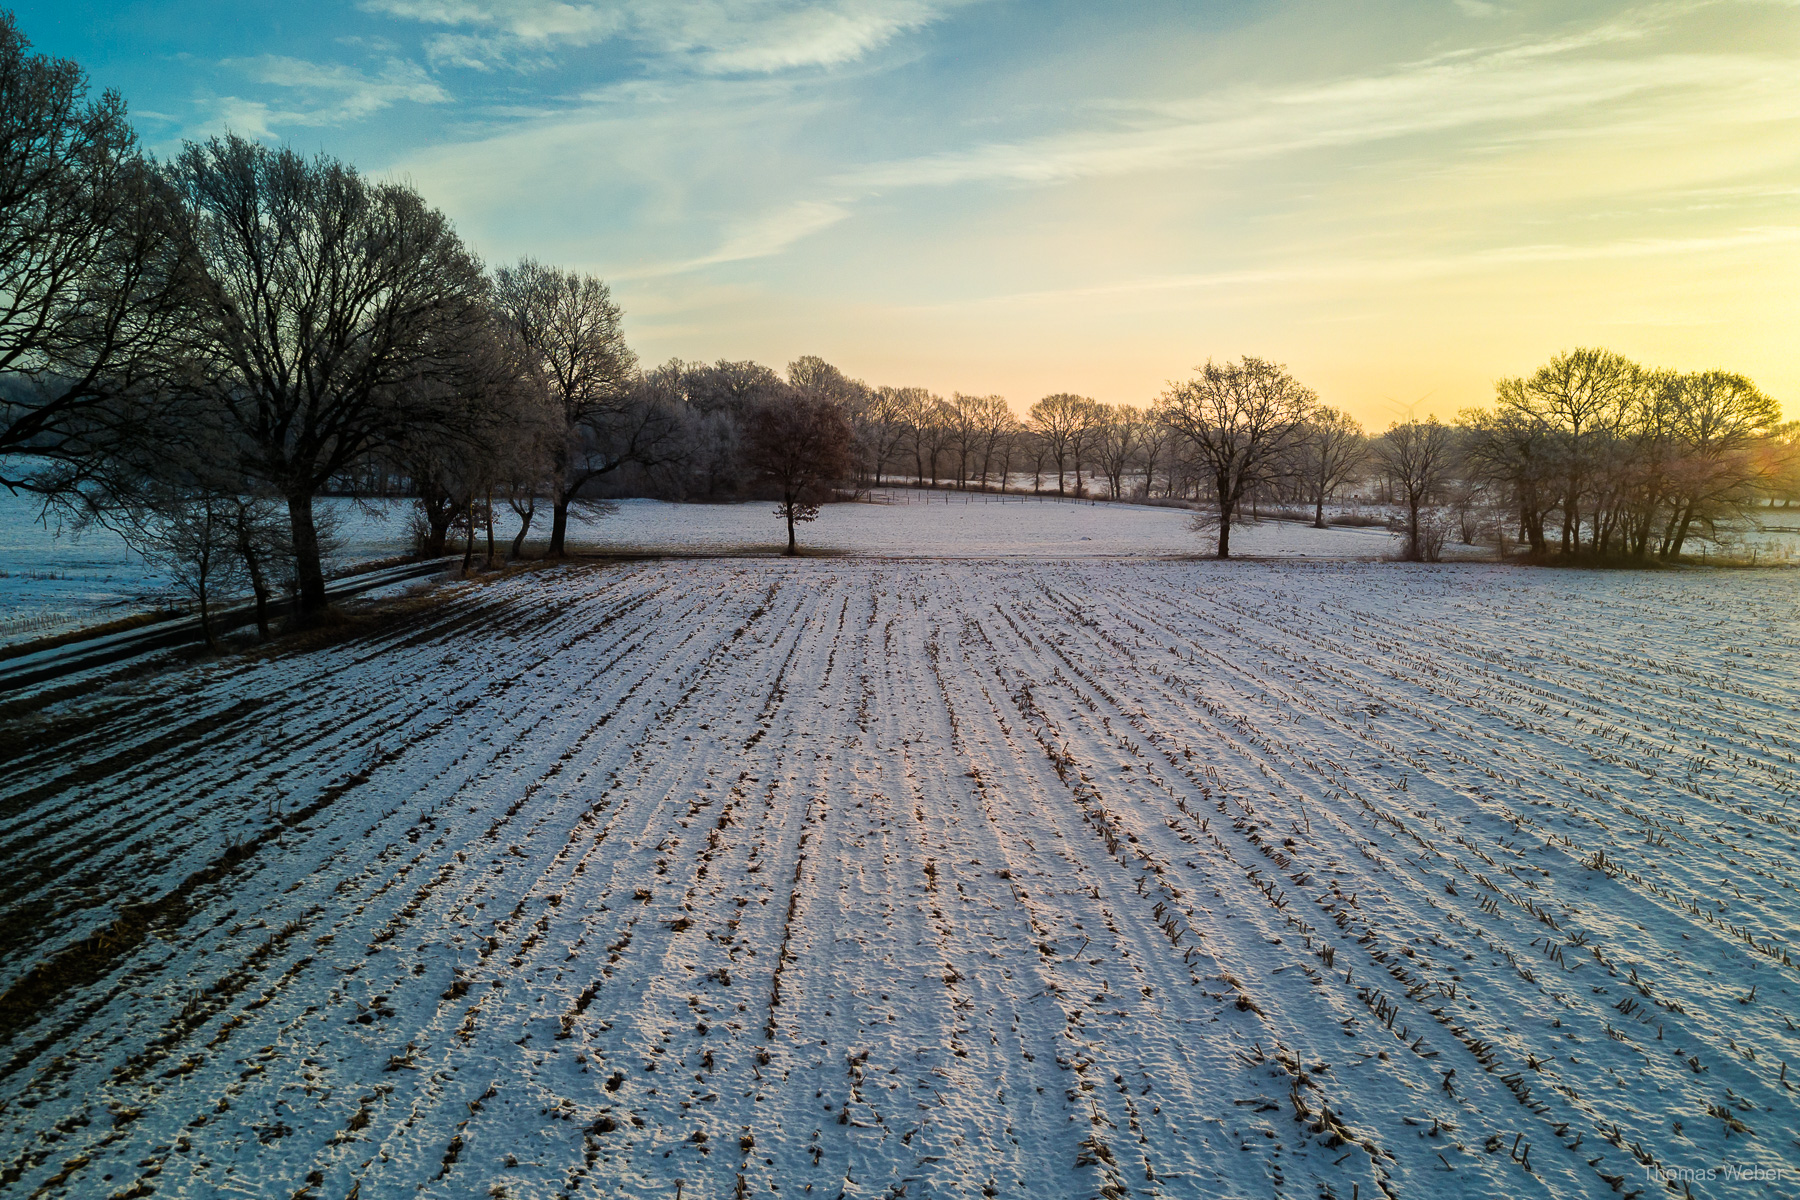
<point>1591,455</point>
<point>193,351</point>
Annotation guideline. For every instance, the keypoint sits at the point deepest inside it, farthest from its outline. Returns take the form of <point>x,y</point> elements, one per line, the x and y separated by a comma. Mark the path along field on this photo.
<point>875,879</point>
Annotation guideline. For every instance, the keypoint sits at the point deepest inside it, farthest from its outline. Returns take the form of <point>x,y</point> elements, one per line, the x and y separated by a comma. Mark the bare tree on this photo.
<point>259,532</point>
<point>1637,458</point>
<point>569,325</point>
<point>528,456</point>
<point>1512,450</point>
<point>962,415</point>
<point>1119,443</point>
<point>1582,398</point>
<point>494,429</point>
<point>1331,453</point>
<point>799,445</point>
<point>1033,446</point>
<point>931,433</point>
<point>89,274</point>
<point>1722,420</point>
<point>816,379</point>
<point>715,400</point>
<point>325,312</point>
<point>1240,421</point>
<point>1086,430</point>
<point>190,533</point>
<point>1417,457</point>
<point>884,429</point>
<point>1781,463</point>
<point>1154,439</point>
<point>994,424</point>
<point>1060,421</point>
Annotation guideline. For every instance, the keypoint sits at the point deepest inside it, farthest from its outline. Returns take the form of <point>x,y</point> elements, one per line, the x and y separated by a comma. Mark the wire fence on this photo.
<point>939,496</point>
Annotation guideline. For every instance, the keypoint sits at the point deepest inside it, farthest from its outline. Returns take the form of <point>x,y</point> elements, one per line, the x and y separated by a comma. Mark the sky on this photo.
<point>1401,200</point>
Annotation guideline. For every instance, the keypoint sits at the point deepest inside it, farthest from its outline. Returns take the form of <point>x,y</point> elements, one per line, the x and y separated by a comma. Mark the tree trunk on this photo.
<point>490,529</point>
<point>1319,511</point>
<point>559,528</point>
<point>308,573</point>
<point>259,585</point>
<point>793,546</point>
<point>518,545</point>
<point>468,534</point>
<point>205,616</point>
<point>1681,531</point>
<point>1226,508</point>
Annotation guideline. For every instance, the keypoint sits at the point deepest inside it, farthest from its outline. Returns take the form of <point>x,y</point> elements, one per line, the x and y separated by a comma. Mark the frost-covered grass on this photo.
<point>982,877</point>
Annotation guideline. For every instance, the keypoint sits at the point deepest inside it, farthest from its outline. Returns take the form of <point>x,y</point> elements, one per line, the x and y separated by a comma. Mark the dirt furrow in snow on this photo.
<point>827,878</point>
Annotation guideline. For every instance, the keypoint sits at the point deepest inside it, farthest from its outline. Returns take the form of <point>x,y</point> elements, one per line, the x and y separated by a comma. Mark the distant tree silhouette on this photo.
<point>1242,422</point>
<point>798,445</point>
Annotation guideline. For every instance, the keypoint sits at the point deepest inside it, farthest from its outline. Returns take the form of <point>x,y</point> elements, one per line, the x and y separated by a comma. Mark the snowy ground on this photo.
<point>52,581</point>
<point>969,878</point>
<point>961,525</point>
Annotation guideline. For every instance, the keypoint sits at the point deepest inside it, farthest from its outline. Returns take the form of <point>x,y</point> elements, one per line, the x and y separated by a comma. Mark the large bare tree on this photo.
<point>88,271</point>
<point>569,324</point>
<point>326,317</point>
<point>1240,421</point>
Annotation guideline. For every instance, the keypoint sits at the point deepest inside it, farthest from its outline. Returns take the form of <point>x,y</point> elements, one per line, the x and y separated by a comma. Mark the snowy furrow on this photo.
<point>981,879</point>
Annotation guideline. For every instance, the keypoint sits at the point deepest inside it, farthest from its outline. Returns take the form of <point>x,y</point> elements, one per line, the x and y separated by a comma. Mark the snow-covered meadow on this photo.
<point>959,525</point>
<point>53,580</point>
<point>984,877</point>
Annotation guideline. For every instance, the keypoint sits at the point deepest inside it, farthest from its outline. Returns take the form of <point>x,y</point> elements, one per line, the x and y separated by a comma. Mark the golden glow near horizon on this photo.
<point>1402,202</point>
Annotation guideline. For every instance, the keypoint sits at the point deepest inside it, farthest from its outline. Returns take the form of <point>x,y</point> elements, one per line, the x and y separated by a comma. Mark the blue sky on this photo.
<point>1403,201</point>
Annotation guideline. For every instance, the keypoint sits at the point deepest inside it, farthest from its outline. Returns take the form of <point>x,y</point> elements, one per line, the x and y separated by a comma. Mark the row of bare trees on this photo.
<point>193,351</point>
<point>1621,461</point>
<point>1600,456</point>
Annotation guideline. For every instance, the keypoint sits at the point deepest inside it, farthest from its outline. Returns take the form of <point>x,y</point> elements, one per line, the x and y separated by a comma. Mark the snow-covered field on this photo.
<point>960,525</point>
<point>880,878</point>
<point>52,581</point>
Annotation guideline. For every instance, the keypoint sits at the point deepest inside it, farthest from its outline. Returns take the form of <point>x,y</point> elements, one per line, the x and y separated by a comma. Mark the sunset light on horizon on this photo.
<point>1402,205</point>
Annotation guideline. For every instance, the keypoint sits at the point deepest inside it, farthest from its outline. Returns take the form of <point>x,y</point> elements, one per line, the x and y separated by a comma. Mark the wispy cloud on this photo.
<point>763,235</point>
<point>715,37</point>
<point>319,94</point>
<point>1515,89</point>
<point>1399,269</point>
